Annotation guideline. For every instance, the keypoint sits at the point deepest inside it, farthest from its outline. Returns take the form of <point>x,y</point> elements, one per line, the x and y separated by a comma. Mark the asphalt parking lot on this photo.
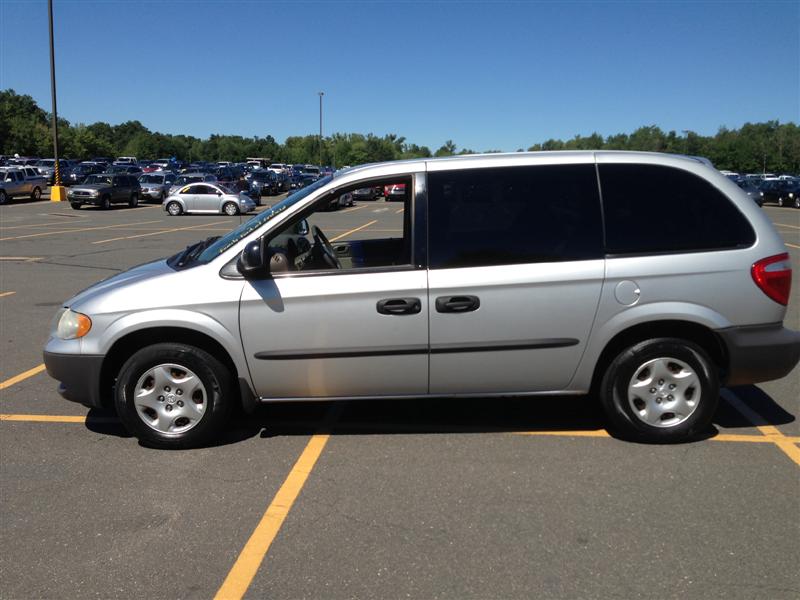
<point>514,498</point>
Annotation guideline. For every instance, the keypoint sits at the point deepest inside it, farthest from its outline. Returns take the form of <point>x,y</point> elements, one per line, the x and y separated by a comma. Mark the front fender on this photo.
<point>225,335</point>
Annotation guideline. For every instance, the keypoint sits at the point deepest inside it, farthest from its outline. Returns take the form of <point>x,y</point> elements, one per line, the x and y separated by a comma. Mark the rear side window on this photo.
<point>513,215</point>
<point>653,209</point>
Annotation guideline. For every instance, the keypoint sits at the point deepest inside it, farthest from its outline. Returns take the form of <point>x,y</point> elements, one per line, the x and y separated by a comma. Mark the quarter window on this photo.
<point>514,215</point>
<point>656,209</point>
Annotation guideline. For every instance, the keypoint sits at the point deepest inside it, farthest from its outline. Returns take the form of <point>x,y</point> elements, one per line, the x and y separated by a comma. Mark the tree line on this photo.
<point>25,130</point>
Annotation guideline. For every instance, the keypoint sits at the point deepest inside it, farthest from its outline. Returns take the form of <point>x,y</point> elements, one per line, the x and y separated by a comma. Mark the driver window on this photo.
<point>357,227</point>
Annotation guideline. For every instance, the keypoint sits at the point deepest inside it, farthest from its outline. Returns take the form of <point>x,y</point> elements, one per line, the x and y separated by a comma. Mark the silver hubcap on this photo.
<point>170,398</point>
<point>174,209</point>
<point>230,209</point>
<point>664,392</point>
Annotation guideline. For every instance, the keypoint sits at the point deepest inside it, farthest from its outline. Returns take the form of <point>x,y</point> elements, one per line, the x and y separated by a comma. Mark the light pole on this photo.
<point>686,142</point>
<point>56,192</point>
<point>321,94</point>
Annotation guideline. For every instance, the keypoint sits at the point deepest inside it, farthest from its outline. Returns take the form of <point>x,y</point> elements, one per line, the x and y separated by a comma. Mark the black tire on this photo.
<point>3,197</point>
<point>105,203</point>
<point>621,415</point>
<point>36,194</point>
<point>134,201</point>
<point>230,209</point>
<point>213,375</point>
<point>174,208</point>
<point>75,205</point>
<point>797,202</point>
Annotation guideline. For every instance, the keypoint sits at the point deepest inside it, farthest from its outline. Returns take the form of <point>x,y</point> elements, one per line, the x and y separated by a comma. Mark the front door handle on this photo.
<point>457,304</point>
<point>399,306</point>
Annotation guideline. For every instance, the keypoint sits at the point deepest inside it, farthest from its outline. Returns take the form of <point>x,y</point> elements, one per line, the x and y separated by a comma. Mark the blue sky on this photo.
<point>488,75</point>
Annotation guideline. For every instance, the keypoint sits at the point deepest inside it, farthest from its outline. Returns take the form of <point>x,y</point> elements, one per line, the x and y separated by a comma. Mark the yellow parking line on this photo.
<point>365,225</point>
<point>720,437</point>
<point>792,245</point>
<point>130,237</point>
<point>75,230</point>
<point>44,418</point>
<point>21,258</point>
<point>397,212</point>
<point>787,225</point>
<point>252,555</point>
<point>4,294</point>
<point>21,377</point>
<point>771,433</point>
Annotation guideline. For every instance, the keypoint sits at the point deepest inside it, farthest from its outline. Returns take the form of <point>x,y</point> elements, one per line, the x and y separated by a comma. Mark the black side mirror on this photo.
<point>258,260</point>
<point>252,263</point>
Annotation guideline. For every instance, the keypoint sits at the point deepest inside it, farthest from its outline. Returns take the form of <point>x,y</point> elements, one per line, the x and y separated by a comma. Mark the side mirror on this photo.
<point>259,260</point>
<point>219,193</point>
<point>302,227</point>
<point>252,262</point>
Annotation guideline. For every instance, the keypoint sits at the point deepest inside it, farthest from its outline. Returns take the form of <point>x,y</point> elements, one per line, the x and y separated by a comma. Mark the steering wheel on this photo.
<point>326,251</point>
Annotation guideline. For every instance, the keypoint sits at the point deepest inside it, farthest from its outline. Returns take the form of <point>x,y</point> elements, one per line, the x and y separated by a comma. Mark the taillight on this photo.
<point>773,276</point>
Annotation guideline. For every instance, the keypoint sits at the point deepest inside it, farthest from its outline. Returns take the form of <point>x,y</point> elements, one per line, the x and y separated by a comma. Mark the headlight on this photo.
<point>72,325</point>
<point>761,194</point>
<point>93,192</point>
<point>791,194</point>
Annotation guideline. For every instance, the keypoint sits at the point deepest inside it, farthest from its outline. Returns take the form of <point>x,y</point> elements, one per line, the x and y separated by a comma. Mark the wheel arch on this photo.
<point>134,341</point>
<point>669,328</point>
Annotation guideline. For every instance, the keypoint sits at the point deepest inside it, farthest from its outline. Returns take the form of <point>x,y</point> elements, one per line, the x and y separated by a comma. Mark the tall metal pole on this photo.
<point>321,94</point>
<point>55,195</point>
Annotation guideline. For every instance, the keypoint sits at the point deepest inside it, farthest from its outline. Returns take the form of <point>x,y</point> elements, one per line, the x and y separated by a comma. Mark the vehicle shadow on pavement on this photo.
<point>449,415</point>
<point>758,400</point>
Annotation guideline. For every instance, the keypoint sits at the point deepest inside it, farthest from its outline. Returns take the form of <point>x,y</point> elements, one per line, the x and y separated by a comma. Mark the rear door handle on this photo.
<point>399,306</point>
<point>457,304</point>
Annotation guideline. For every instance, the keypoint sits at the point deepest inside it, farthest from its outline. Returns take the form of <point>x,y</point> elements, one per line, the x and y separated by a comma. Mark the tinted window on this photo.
<point>514,215</point>
<point>651,209</point>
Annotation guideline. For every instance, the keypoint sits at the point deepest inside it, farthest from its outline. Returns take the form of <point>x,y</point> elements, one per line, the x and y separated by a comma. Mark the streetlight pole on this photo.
<point>686,142</point>
<point>321,94</point>
<point>56,192</point>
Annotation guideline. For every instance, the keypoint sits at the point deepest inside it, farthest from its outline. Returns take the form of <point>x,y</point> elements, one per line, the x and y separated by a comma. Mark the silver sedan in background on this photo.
<point>207,197</point>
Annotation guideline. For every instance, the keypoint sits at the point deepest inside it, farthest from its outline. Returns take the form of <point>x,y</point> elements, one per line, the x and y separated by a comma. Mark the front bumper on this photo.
<point>78,376</point>
<point>759,352</point>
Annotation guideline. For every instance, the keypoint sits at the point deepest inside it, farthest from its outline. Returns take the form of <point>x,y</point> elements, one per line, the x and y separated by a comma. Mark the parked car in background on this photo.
<point>18,181</point>
<point>126,160</point>
<point>395,192</point>
<point>790,195</point>
<point>188,178</point>
<point>751,190</point>
<point>225,175</point>
<point>102,159</point>
<point>774,190</point>
<point>125,168</point>
<point>263,182</point>
<point>156,186</point>
<point>47,168</point>
<point>367,193</point>
<point>80,172</point>
<point>105,189</point>
<point>208,198</point>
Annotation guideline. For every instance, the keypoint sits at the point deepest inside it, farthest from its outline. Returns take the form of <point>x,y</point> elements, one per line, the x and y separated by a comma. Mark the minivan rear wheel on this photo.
<point>173,395</point>
<point>660,390</point>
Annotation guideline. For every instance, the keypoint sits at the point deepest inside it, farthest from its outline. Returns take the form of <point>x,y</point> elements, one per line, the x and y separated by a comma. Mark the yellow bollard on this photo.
<point>58,193</point>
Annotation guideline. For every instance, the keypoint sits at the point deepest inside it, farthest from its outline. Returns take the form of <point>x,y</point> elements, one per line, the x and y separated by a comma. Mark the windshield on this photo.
<point>151,179</point>
<point>248,227</point>
<point>98,179</point>
<point>183,179</point>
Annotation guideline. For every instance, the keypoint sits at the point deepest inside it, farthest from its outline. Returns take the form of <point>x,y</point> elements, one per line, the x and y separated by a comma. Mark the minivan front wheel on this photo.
<point>173,396</point>
<point>660,390</point>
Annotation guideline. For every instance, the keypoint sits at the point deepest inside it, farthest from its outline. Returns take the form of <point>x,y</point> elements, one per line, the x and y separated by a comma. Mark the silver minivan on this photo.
<point>646,280</point>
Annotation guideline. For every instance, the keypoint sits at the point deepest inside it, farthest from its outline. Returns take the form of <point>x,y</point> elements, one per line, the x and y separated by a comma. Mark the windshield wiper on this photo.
<point>192,251</point>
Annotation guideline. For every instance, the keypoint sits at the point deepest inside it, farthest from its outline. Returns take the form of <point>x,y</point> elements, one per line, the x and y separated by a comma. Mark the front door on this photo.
<point>516,274</point>
<point>327,328</point>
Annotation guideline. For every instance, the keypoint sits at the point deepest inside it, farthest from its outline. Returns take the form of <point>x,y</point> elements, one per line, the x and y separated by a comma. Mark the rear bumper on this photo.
<point>759,353</point>
<point>78,376</point>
